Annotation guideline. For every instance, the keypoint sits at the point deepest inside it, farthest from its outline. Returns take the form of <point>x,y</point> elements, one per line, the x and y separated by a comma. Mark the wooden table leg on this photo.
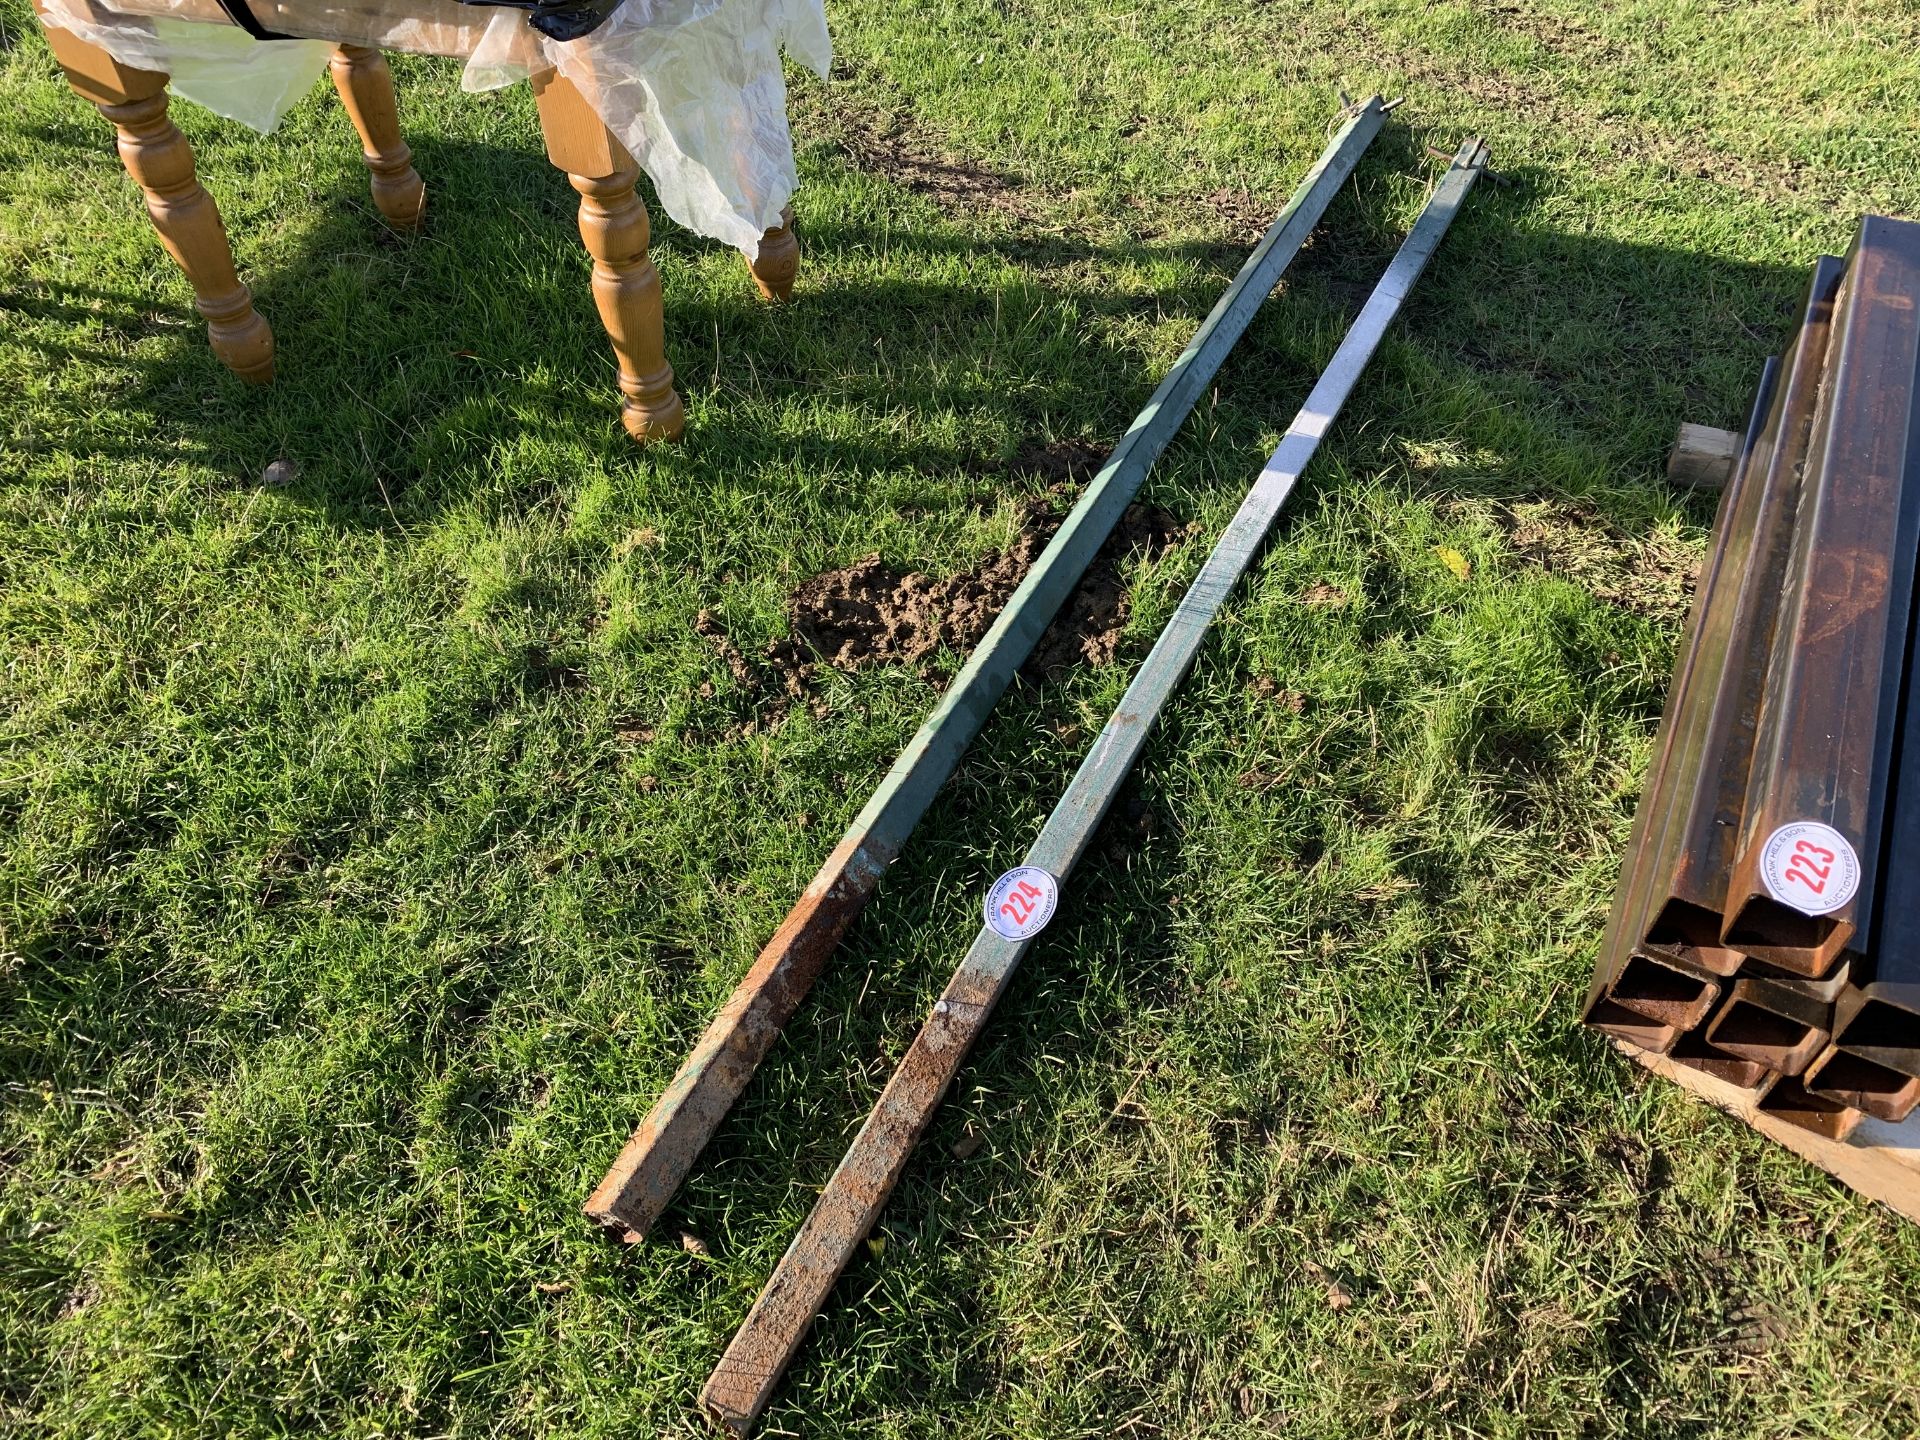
<point>159,159</point>
<point>779,259</point>
<point>613,224</point>
<point>365,83</point>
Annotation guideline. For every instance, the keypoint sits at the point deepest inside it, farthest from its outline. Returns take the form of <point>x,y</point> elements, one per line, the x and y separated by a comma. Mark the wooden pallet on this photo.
<point>1879,1161</point>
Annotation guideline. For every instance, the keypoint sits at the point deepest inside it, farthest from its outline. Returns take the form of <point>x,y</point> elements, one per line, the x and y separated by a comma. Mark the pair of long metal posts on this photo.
<point>662,1150</point>
<point>740,1385</point>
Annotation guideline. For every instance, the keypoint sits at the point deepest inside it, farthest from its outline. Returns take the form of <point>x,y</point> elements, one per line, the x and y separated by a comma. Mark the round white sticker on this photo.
<point>1021,902</point>
<point>1810,867</point>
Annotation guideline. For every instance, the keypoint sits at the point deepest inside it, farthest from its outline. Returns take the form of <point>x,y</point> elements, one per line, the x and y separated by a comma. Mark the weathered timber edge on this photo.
<point>1878,1161</point>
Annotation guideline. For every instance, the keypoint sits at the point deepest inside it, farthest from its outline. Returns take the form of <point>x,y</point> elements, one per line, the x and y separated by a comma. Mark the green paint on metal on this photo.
<point>742,1382</point>
<point>923,767</point>
<point>662,1149</point>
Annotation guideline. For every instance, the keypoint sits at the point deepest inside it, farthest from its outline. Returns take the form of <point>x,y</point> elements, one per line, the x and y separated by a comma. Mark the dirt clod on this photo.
<point>708,627</point>
<point>1323,594</point>
<point>895,145</point>
<point>1338,1296</point>
<point>1265,687</point>
<point>1238,213</point>
<point>870,614</point>
<point>1090,624</point>
<point>1071,459</point>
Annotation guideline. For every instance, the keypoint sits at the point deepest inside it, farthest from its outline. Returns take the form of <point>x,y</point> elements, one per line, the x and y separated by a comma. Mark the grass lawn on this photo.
<point>375,845</point>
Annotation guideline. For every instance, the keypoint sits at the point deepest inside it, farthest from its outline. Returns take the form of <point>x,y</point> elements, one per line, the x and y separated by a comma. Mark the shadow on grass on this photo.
<point>406,365</point>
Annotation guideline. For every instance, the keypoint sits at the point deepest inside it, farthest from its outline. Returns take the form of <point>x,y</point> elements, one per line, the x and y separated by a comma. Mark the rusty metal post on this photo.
<point>740,1385</point>
<point>662,1149</point>
<point>1693,1051</point>
<point>1637,1030</point>
<point>1789,1100</point>
<point>1709,786</point>
<point>1880,1020</point>
<point>1626,918</point>
<point>1877,1024</point>
<point>1664,992</point>
<point>1865,1085</point>
<point>1823,755</point>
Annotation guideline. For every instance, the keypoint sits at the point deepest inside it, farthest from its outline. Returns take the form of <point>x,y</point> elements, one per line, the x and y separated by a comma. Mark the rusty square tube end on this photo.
<point>1791,1101</point>
<point>1663,994</point>
<point>1757,1032</point>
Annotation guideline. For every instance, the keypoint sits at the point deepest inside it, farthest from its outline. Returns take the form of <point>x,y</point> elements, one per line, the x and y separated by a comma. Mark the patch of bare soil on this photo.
<point>1238,214</point>
<point>1609,139</point>
<point>1650,576</point>
<point>1322,594</point>
<point>772,688</point>
<point>1067,461</point>
<point>870,614</point>
<point>1088,628</point>
<point>894,145</point>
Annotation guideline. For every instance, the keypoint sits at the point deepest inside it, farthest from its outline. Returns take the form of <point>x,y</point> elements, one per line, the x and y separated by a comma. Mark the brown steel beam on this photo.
<point>1709,784</point>
<point>1663,991</point>
<point>1666,912</point>
<point>1625,919</point>
<point>1693,1051</point>
<point>1880,1022</point>
<point>1638,1031</point>
<point>1823,753</point>
<point>1824,991</point>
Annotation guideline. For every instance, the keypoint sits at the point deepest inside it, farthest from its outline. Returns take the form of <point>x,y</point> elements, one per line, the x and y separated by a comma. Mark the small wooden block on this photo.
<point>1703,457</point>
<point>1879,1161</point>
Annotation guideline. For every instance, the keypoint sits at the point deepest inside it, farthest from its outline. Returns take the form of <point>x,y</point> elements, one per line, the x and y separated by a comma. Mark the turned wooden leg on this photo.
<point>778,261</point>
<point>613,224</point>
<point>158,157</point>
<point>366,89</point>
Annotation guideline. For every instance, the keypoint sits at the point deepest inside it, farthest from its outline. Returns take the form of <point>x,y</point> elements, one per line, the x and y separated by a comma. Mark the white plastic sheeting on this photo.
<point>692,87</point>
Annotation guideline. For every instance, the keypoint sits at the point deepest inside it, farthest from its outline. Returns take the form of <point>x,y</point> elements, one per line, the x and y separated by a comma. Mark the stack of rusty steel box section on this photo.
<point>1767,925</point>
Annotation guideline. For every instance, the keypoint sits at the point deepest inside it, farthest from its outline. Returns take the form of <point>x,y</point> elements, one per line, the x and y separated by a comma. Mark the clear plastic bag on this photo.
<point>693,88</point>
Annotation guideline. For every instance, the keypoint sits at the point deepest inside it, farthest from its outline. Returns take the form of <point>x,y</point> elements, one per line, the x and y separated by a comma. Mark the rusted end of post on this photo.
<point>660,1152</point>
<point>1762,1022</point>
<point>1695,1053</point>
<point>1636,1030</point>
<point>1804,944</point>
<point>1863,1084</point>
<point>1790,1101</point>
<point>1662,993</point>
